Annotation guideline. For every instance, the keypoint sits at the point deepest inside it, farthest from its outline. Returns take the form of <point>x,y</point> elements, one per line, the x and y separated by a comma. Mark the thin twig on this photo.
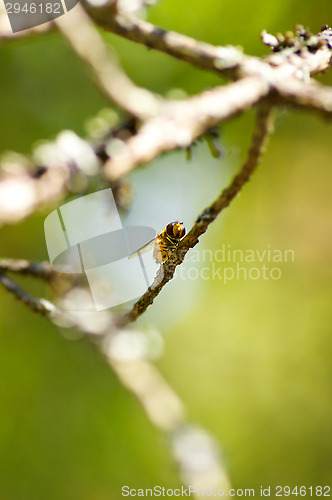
<point>166,272</point>
<point>41,270</point>
<point>61,317</point>
<point>88,44</point>
<point>225,60</point>
<point>40,306</point>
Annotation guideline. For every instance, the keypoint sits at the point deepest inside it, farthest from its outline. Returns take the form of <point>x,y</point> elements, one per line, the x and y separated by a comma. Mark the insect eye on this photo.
<point>169,229</point>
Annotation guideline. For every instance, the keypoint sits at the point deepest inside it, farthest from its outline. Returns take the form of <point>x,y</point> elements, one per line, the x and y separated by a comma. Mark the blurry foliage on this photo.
<point>253,359</point>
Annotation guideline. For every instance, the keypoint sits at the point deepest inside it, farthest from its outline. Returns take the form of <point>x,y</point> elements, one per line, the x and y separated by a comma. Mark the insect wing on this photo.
<point>144,249</point>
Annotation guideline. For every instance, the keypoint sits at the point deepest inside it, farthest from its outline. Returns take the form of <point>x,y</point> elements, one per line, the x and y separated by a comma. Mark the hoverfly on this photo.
<point>164,243</point>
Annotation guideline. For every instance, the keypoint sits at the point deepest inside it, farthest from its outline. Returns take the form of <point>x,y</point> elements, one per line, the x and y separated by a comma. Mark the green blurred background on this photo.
<point>251,359</point>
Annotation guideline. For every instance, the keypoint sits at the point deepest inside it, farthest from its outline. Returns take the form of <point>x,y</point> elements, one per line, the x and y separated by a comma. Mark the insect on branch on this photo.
<point>166,272</point>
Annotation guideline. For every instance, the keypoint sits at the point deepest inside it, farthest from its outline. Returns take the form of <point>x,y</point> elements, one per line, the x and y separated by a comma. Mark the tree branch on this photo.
<point>167,271</point>
<point>84,38</point>
<point>182,122</point>
<point>223,60</point>
<point>230,62</point>
<point>40,306</point>
<point>66,165</point>
<point>284,77</point>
